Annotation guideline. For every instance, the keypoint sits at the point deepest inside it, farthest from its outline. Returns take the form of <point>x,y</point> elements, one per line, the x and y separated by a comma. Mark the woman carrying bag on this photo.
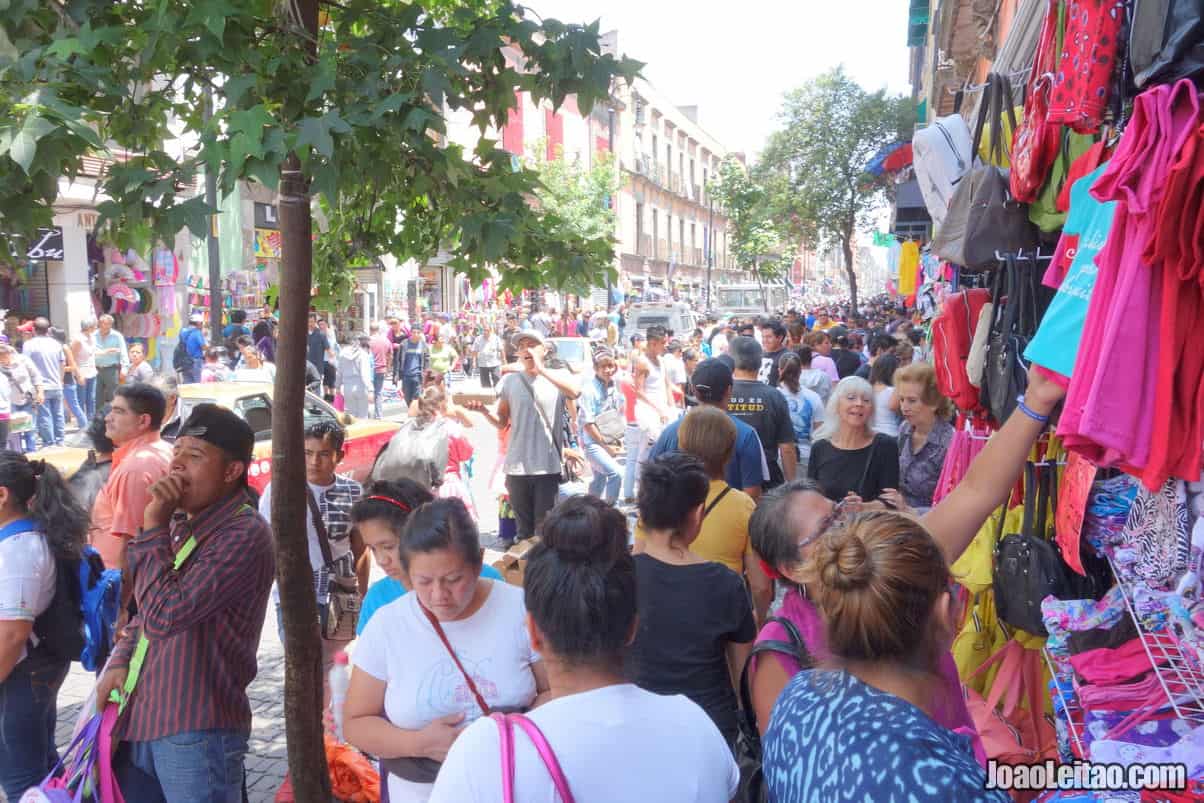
<point>433,661</point>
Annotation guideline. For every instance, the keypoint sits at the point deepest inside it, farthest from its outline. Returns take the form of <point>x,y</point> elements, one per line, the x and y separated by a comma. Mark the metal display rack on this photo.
<point>1180,678</point>
<point>1070,704</point>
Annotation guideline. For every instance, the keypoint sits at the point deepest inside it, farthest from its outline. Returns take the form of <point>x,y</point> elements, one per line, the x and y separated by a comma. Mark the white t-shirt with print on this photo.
<point>616,743</point>
<point>26,578</point>
<point>400,647</point>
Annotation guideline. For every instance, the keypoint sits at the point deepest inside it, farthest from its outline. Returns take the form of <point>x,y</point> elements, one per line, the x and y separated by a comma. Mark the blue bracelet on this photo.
<point>1030,412</point>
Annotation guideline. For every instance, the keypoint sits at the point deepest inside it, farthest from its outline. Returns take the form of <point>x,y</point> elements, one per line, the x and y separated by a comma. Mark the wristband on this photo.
<point>1030,412</point>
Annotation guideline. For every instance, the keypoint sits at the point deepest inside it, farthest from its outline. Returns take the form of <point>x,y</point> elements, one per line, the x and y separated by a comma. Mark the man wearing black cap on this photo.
<point>202,568</point>
<point>746,469</point>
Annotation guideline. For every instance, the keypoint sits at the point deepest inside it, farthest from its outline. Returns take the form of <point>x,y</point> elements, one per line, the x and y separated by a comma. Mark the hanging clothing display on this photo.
<point>909,268</point>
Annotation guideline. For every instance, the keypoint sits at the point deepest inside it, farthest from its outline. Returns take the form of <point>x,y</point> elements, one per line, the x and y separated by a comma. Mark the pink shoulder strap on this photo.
<point>505,724</point>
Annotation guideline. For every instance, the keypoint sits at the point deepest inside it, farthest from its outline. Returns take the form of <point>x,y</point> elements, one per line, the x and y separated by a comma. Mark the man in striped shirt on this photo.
<point>202,568</point>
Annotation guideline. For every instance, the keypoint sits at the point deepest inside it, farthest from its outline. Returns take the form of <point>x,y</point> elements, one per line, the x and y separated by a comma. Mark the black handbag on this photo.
<point>748,739</point>
<point>1014,319</point>
<point>1029,567</point>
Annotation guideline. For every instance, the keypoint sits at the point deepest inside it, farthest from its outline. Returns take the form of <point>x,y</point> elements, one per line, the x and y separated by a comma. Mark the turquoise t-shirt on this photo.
<point>1056,343</point>
<point>386,589</point>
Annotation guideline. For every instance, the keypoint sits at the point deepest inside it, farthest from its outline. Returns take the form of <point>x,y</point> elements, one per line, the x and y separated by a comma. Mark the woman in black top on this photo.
<point>695,622</point>
<point>848,458</point>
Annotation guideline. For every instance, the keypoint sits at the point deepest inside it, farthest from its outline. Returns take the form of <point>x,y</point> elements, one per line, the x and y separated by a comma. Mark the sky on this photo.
<point>736,60</point>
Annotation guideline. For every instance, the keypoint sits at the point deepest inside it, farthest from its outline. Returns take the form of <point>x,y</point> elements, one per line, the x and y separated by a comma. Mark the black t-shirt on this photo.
<point>688,614</point>
<point>764,409</point>
<point>839,471</point>
<point>847,362</point>
<point>769,367</point>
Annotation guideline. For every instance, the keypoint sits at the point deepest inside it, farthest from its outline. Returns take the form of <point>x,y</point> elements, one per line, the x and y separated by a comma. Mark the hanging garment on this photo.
<point>1122,322</point>
<point>1084,76</point>
<point>1056,343</point>
<point>909,266</point>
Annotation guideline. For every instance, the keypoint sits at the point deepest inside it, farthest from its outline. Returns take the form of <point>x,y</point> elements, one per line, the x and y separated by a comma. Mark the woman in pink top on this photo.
<point>789,520</point>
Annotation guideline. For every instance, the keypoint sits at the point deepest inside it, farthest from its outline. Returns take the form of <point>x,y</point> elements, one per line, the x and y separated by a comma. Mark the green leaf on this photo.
<point>236,87</point>
<point>315,132</point>
<point>390,104</point>
<point>65,48</point>
<point>24,146</point>
<point>265,172</point>
<point>193,214</point>
<point>323,80</point>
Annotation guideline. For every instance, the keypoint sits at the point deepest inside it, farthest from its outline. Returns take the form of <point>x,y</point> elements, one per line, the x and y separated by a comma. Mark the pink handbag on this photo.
<point>1010,734</point>
<point>85,771</point>
<point>505,725</point>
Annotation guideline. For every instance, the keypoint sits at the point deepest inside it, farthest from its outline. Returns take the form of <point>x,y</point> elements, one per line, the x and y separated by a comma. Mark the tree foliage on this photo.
<point>815,163</point>
<point>757,241</point>
<point>366,116</point>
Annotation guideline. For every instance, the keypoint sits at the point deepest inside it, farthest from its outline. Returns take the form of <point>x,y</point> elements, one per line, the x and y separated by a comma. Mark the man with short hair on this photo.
<point>878,346</point>
<point>847,361</point>
<point>202,567</point>
<point>316,346</point>
<point>141,458</point>
<point>746,469</point>
<point>333,495</point>
<point>382,355</point>
<point>764,409</point>
<point>415,356</point>
<point>140,370</point>
<point>46,354</point>
<point>193,339</point>
<point>111,359</point>
<point>773,341</point>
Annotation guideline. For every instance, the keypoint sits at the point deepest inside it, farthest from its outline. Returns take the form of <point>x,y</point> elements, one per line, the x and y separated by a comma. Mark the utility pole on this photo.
<point>215,261</point>
<point>610,145</point>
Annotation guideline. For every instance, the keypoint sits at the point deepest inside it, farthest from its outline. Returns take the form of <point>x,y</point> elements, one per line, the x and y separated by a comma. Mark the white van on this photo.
<point>676,316</point>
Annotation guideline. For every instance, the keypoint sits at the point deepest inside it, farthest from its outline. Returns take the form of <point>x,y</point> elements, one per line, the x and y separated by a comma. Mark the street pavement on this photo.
<point>266,762</point>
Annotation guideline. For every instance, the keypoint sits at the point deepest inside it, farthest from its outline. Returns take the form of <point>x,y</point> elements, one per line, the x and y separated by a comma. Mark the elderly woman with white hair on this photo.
<point>849,459</point>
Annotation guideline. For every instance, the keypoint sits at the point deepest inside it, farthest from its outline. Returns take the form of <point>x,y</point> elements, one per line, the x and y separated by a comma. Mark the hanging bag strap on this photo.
<point>718,498</point>
<point>315,513</point>
<point>505,723</point>
<point>472,687</point>
<point>865,472</point>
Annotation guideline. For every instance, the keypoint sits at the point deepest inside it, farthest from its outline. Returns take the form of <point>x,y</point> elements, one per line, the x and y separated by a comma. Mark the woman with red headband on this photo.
<point>435,660</point>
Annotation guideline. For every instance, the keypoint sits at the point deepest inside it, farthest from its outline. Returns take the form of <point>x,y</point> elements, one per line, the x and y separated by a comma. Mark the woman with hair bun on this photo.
<point>696,621</point>
<point>862,724</point>
<point>612,739</point>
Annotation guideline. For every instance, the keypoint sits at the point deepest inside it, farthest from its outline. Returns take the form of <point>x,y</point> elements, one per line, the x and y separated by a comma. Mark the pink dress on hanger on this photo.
<point>1114,383</point>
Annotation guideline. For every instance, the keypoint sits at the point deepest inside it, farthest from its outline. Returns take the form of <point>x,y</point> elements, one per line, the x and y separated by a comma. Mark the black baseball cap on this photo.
<point>221,427</point>
<point>711,379</point>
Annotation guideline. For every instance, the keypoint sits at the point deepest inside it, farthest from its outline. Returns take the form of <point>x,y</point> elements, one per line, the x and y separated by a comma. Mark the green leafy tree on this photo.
<point>757,240</point>
<point>815,164</point>
<point>350,108</point>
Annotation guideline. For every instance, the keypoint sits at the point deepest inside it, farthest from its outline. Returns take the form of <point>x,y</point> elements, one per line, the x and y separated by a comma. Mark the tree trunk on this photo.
<point>760,284</point>
<point>846,245</point>
<point>302,641</point>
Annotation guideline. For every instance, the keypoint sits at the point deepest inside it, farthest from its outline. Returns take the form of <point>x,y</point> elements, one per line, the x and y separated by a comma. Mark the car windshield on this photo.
<point>571,350</point>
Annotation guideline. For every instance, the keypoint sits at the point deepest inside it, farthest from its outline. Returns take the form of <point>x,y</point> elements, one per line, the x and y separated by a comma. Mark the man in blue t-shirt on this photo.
<point>747,469</point>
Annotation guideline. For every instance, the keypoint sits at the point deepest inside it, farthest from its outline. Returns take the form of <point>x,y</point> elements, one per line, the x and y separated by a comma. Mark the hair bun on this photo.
<point>845,563</point>
<point>584,530</point>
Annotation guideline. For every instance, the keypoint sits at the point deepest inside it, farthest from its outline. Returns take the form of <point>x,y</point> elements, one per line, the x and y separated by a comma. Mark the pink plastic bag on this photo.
<point>338,402</point>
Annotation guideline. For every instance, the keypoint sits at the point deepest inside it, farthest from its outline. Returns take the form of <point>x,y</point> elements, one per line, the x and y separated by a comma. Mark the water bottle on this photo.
<point>340,679</point>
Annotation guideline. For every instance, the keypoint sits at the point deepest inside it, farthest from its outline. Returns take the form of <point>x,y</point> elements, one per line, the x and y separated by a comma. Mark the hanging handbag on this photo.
<point>341,613</point>
<point>1035,144</point>
<point>1013,322</point>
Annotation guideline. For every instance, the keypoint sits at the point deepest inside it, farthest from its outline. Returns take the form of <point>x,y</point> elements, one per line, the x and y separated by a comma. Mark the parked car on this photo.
<point>576,352</point>
<point>252,401</point>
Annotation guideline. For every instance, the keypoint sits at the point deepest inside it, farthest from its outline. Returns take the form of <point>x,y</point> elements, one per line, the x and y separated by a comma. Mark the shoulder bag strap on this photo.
<point>472,687</point>
<point>719,498</point>
<point>866,471</point>
<point>795,648</point>
<point>506,743</point>
<point>315,513</point>
<point>546,753</point>
<point>547,425</point>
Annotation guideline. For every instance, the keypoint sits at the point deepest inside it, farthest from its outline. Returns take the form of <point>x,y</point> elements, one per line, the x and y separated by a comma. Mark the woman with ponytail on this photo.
<point>611,739</point>
<point>40,523</point>
<point>864,723</point>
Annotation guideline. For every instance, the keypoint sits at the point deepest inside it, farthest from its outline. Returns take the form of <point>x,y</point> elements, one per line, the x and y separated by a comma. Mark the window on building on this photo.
<point>656,232</point>
<point>639,222</point>
<point>691,172</point>
<point>655,147</point>
<point>692,243</point>
<point>681,232</point>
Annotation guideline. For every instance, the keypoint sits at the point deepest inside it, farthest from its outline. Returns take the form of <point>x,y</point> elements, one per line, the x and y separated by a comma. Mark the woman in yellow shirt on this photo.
<point>709,434</point>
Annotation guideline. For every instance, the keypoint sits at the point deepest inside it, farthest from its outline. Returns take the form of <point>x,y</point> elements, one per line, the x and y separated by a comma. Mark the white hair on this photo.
<point>849,386</point>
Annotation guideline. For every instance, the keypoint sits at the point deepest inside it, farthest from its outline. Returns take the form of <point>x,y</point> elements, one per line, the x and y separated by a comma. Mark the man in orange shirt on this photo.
<point>141,459</point>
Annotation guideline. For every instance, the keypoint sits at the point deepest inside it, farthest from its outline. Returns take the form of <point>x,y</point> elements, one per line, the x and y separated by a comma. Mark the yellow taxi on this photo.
<point>252,401</point>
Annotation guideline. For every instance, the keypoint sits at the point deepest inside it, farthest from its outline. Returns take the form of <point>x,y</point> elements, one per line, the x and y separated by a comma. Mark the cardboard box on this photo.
<point>513,563</point>
<point>482,395</point>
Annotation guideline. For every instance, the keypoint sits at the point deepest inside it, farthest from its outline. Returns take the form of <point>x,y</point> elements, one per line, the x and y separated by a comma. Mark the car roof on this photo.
<point>221,391</point>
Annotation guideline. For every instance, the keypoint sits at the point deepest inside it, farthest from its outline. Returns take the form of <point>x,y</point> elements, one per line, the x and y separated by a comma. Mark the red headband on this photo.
<point>391,501</point>
<point>770,572</point>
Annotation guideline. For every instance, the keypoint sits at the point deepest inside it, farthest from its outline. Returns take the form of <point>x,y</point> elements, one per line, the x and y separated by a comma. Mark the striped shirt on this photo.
<point>203,622</point>
<point>334,504</point>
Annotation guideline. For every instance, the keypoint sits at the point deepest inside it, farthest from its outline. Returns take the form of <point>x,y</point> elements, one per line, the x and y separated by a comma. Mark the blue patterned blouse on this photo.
<point>833,737</point>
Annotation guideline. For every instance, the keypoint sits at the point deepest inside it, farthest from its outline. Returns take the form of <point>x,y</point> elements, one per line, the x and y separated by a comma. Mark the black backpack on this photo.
<point>181,360</point>
<point>748,742</point>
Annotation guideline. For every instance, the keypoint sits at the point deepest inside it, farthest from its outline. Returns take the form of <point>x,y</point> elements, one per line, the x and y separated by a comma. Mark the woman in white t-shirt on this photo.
<point>613,740</point>
<point>40,521</point>
<point>253,367</point>
<point>886,407</point>
<point>410,698</point>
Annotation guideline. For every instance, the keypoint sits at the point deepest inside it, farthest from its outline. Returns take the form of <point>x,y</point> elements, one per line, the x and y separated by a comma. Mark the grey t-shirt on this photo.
<point>142,373</point>
<point>530,450</point>
<point>46,354</point>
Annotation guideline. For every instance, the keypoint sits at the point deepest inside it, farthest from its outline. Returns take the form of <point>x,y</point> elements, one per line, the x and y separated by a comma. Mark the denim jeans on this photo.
<point>378,384</point>
<point>28,707</point>
<point>106,383</point>
<point>87,397</point>
<point>410,385</point>
<point>635,441</point>
<point>72,402</point>
<point>28,441</point>
<point>190,767</point>
<point>50,418</point>
<point>608,474</point>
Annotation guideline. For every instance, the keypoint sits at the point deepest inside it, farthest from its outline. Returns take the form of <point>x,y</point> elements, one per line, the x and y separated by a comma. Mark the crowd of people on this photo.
<point>779,473</point>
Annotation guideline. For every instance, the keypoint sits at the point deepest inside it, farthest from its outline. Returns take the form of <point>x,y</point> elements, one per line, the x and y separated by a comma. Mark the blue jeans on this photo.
<point>28,442</point>
<point>72,401</point>
<point>607,473</point>
<point>190,767</point>
<point>636,442</point>
<point>88,397</point>
<point>410,385</point>
<point>28,705</point>
<point>50,418</point>
<point>378,384</point>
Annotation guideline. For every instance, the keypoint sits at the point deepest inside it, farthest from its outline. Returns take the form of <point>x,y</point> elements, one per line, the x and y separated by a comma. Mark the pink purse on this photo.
<point>505,725</point>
